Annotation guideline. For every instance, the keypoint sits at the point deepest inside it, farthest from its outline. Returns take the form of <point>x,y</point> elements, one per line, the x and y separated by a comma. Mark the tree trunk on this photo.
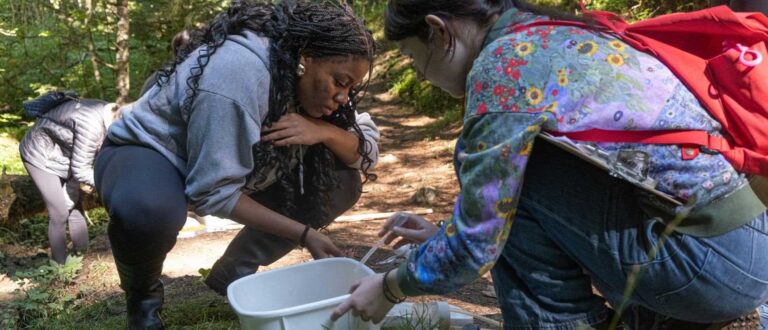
<point>121,58</point>
<point>92,47</point>
<point>19,199</point>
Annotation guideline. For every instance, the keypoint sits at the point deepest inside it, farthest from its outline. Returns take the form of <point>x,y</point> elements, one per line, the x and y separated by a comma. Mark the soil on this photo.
<point>414,157</point>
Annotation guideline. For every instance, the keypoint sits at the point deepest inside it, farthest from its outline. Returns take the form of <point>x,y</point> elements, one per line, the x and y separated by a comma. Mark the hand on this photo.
<point>412,229</point>
<point>320,246</point>
<point>293,128</point>
<point>366,300</point>
<point>88,189</point>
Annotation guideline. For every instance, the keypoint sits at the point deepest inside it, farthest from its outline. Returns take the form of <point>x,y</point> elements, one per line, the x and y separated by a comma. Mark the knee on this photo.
<point>58,217</point>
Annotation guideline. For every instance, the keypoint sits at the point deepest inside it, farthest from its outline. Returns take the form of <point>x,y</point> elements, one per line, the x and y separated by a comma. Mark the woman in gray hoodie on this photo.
<point>258,125</point>
<point>58,153</point>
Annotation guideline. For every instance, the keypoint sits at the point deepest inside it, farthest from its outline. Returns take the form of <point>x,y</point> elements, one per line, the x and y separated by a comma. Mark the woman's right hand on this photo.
<point>410,228</point>
<point>320,246</point>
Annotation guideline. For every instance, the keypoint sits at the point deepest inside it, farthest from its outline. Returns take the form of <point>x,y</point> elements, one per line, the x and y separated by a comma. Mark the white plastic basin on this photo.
<point>298,297</point>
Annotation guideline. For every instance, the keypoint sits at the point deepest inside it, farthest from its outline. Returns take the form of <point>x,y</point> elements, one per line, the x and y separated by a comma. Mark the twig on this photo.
<point>375,216</point>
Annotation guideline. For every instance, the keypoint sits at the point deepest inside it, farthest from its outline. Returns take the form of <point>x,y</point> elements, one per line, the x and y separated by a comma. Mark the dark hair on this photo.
<point>317,29</point>
<point>405,18</point>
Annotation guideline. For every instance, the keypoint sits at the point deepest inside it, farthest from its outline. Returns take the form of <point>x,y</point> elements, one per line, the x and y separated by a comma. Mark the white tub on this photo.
<point>298,297</point>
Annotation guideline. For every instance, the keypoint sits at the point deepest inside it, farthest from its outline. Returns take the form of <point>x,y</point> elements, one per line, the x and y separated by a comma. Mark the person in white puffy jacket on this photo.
<point>58,153</point>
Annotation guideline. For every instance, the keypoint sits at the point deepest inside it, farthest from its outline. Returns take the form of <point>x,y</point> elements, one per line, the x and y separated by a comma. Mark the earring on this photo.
<point>300,70</point>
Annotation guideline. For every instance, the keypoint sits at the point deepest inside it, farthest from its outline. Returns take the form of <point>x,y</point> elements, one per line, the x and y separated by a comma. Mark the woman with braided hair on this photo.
<point>255,122</point>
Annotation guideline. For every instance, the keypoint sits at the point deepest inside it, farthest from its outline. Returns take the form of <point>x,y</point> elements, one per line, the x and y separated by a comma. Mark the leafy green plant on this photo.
<point>98,219</point>
<point>12,130</point>
<point>34,231</point>
<point>42,291</point>
<point>7,236</point>
<point>427,99</point>
<point>416,318</point>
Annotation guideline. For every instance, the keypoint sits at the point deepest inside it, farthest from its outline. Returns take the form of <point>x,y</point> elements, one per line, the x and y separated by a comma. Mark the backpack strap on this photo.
<point>691,141</point>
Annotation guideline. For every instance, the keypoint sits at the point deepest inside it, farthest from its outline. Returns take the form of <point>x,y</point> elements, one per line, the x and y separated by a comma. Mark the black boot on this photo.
<point>143,294</point>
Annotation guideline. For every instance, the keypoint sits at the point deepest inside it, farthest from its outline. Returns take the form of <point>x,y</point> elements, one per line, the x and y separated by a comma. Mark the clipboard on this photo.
<point>574,149</point>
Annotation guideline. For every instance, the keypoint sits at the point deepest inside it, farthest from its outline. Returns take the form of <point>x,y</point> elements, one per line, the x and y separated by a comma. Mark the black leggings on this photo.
<point>144,196</point>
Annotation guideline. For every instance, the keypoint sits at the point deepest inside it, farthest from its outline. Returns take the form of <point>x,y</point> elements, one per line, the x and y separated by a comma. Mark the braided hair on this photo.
<point>317,29</point>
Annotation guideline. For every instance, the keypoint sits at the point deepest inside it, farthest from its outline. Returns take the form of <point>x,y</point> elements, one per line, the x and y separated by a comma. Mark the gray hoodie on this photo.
<point>211,144</point>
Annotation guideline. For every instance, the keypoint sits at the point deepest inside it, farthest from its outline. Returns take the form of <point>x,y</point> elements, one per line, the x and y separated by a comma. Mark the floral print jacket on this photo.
<point>554,78</point>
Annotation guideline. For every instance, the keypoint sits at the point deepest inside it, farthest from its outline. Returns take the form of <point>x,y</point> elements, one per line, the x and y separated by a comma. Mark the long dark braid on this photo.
<point>316,29</point>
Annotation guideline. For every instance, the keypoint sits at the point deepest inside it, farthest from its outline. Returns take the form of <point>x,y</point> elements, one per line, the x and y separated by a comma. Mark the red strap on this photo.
<point>698,138</point>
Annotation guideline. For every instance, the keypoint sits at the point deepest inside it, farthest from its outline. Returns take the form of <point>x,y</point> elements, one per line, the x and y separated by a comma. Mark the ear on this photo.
<point>440,30</point>
<point>303,60</point>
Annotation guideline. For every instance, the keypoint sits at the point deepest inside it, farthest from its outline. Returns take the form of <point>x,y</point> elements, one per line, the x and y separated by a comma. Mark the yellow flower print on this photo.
<point>450,229</point>
<point>534,95</point>
<point>508,224</point>
<point>502,236</point>
<point>617,45</point>
<point>615,60</point>
<point>505,208</point>
<point>588,48</point>
<point>486,268</point>
<point>526,149</point>
<point>562,77</point>
<point>524,48</point>
<point>552,107</point>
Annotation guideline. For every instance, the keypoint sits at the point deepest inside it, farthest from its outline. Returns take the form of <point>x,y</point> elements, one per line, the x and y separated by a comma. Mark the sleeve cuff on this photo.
<point>407,283</point>
<point>229,205</point>
<point>224,211</point>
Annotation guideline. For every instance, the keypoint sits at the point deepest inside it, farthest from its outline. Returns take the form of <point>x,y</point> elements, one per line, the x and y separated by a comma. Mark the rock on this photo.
<point>388,159</point>
<point>424,196</point>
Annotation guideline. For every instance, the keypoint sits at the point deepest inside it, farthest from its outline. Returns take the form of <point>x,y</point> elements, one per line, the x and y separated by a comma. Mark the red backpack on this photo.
<point>721,57</point>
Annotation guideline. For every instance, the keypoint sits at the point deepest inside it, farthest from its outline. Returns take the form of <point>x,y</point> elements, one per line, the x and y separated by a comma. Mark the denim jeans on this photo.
<point>576,226</point>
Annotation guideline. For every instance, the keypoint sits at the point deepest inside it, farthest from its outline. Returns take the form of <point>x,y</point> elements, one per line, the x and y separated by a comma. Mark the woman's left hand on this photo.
<point>367,300</point>
<point>293,128</point>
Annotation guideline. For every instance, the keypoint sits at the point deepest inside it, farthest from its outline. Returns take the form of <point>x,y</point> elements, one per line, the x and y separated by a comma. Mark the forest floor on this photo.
<point>415,155</point>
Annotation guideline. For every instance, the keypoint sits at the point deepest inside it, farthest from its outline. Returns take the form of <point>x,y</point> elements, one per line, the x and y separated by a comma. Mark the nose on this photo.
<point>341,98</point>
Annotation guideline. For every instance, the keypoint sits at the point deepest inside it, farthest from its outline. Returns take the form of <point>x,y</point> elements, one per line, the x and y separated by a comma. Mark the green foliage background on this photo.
<point>44,43</point>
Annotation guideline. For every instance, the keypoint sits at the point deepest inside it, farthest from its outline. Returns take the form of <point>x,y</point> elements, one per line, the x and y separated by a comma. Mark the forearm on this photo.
<point>344,144</point>
<point>251,213</point>
<point>393,284</point>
